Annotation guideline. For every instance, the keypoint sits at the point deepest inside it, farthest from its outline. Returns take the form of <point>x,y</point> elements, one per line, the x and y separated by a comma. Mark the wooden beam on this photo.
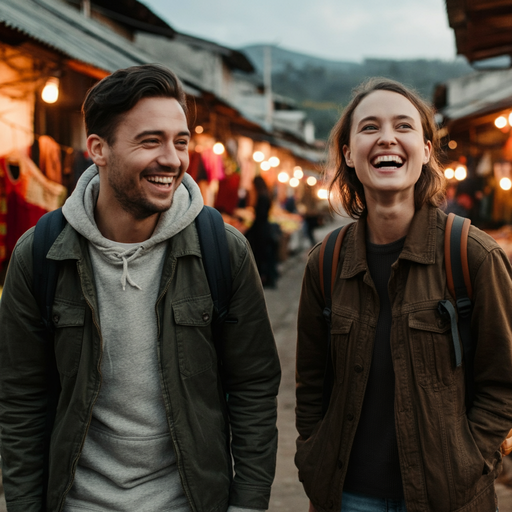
<point>86,69</point>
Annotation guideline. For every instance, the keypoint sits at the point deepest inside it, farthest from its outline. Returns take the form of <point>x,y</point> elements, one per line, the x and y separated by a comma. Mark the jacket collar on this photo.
<point>70,245</point>
<point>419,246</point>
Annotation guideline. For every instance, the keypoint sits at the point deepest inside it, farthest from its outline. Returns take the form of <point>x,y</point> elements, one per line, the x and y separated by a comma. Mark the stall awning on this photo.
<point>65,29</point>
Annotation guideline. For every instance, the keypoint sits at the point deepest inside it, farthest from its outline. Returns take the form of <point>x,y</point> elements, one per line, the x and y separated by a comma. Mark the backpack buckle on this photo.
<point>464,306</point>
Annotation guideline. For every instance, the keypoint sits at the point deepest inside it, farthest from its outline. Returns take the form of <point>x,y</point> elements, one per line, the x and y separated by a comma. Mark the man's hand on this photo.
<point>506,446</point>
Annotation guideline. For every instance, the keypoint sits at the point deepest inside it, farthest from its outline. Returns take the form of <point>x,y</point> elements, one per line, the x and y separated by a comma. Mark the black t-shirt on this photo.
<point>374,467</point>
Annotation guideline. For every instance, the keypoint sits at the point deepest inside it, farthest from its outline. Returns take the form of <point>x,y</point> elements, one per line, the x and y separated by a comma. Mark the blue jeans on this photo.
<point>352,502</point>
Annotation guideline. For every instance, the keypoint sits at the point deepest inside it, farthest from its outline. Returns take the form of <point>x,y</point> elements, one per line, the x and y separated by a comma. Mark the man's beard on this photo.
<point>128,194</point>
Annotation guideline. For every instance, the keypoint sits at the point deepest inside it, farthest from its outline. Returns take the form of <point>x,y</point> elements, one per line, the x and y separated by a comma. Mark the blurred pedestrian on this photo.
<point>264,236</point>
<point>396,434</point>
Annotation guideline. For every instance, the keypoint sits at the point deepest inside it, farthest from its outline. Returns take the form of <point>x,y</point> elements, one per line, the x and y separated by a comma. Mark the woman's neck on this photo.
<point>389,223</point>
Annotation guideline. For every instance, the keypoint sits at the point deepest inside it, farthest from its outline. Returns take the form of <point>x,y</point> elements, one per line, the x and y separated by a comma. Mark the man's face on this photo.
<point>148,158</point>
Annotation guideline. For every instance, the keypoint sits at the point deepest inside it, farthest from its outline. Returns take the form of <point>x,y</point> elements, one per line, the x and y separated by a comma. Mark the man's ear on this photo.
<point>348,156</point>
<point>98,149</point>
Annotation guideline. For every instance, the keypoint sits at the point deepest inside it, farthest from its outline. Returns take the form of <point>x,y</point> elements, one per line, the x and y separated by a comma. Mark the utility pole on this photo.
<point>267,82</point>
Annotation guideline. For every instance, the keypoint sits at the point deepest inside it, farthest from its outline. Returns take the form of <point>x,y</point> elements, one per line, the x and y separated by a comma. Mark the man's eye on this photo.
<point>150,141</point>
<point>183,142</point>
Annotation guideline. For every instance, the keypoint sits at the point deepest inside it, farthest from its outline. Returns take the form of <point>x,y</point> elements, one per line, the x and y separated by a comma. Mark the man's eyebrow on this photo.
<point>160,133</point>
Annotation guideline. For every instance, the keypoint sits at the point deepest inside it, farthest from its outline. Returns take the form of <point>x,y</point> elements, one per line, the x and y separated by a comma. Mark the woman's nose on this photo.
<point>387,136</point>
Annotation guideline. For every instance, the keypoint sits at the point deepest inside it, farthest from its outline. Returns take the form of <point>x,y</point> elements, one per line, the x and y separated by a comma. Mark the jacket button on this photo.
<point>358,368</point>
<point>350,416</point>
<point>206,317</point>
<point>56,319</point>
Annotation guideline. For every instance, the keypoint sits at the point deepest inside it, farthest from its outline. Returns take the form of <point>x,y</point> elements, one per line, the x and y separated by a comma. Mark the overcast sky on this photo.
<point>334,29</point>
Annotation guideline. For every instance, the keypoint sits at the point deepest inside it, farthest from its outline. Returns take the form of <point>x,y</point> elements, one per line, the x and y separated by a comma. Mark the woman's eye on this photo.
<point>405,126</point>
<point>369,127</point>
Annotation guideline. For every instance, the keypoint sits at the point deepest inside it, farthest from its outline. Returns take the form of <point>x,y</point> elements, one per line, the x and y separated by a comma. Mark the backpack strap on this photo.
<point>459,285</point>
<point>45,274</point>
<point>329,259</point>
<point>215,253</point>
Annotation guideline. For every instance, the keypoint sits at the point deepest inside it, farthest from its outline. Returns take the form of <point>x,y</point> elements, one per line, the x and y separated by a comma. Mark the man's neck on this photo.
<point>118,225</point>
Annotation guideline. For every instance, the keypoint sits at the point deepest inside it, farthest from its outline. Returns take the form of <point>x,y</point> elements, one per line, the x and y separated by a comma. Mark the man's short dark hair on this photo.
<point>119,92</point>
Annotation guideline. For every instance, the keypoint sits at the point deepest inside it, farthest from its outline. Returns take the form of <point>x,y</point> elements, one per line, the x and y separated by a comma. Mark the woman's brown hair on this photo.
<point>346,185</point>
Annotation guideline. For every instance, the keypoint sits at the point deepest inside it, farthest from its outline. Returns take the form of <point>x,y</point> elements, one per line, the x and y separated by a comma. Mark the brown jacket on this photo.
<point>449,458</point>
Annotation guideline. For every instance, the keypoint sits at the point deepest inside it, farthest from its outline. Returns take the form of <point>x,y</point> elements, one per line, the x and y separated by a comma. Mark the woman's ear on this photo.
<point>97,148</point>
<point>428,152</point>
<point>348,156</point>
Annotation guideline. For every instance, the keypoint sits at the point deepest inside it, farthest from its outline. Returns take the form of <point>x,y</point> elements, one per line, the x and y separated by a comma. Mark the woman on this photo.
<point>396,435</point>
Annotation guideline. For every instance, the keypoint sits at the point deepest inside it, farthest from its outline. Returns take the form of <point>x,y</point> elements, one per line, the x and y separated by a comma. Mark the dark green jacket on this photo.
<point>199,421</point>
<point>449,457</point>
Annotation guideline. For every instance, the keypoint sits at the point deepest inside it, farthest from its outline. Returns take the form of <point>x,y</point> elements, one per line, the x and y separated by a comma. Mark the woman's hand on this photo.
<point>506,446</point>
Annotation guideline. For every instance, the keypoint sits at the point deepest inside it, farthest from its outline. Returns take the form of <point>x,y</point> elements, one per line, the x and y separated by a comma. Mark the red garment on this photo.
<point>28,195</point>
<point>227,195</point>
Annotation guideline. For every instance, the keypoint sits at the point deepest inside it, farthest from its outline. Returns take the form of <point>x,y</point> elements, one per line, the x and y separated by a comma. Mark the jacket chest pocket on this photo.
<point>432,348</point>
<point>193,318</point>
<point>340,332</point>
<point>68,320</point>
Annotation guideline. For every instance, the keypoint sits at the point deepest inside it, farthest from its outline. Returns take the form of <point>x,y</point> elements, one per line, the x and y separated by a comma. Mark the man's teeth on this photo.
<point>167,180</point>
<point>388,158</point>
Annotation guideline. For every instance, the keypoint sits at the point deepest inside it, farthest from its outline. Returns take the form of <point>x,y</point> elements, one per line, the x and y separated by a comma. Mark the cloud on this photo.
<point>336,29</point>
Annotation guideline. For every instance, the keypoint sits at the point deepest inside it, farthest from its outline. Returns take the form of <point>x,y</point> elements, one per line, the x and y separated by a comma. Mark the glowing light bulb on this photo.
<point>297,173</point>
<point>218,148</point>
<point>449,173</point>
<point>452,144</point>
<point>274,161</point>
<point>265,166</point>
<point>199,129</point>
<point>258,156</point>
<point>500,122</point>
<point>322,193</point>
<point>505,183</point>
<point>283,177</point>
<point>50,92</point>
<point>294,182</point>
<point>311,181</point>
<point>460,173</point>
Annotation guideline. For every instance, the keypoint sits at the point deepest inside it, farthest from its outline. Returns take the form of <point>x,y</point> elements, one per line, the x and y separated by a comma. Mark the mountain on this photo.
<point>322,87</point>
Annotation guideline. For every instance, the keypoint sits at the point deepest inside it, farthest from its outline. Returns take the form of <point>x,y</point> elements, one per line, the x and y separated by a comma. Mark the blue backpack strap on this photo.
<point>216,261</point>
<point>45,274</point>
<point>459,284</point>
<point>328,264</point>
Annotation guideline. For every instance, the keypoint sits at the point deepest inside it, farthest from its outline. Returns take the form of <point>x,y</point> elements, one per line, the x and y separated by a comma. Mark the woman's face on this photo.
<point>387,146</point>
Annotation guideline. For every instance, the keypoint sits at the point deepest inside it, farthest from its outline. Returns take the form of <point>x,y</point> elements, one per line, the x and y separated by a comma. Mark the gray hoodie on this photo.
<point>128,462</point>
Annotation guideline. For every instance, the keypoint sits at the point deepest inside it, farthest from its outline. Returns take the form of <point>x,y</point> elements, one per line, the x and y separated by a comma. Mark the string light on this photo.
<point>199,129</point>
<point>50,93</point>
<point>461,173</point>
<point>449,173</point>
<point>274,161</point>
<point>283,177</point>
<point>294,182</point>
<point>500,122</point>
<point>505,183</point>
<point>218,148</point>
<point>265,166</point>
<point>258,156</point>
<point>311,181</point>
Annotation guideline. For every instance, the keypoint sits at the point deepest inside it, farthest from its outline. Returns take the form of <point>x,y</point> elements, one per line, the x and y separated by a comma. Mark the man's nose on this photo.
<point>168,157</point>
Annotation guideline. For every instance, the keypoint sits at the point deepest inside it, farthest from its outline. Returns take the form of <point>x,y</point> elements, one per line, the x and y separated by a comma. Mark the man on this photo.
<point>142,423</point>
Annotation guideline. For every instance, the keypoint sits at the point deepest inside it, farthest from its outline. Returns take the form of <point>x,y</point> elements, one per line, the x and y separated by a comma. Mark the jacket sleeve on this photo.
<point>490,418</point>
<point>311,350</point>
<point>22,385</point>
<point>252,374</point>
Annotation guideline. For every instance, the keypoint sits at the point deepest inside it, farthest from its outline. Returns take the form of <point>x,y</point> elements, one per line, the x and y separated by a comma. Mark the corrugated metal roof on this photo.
<point>65,29</point>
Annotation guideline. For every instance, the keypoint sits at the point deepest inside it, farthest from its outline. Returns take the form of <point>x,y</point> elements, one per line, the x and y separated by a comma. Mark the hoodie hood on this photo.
<point>79,212</point>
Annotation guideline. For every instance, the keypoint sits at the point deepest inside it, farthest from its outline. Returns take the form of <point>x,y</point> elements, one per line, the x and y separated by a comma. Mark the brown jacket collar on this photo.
<point>420,243</point>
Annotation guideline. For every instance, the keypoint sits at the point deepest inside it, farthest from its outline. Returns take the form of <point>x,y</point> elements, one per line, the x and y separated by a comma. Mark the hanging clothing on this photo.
<point>50,161</point>
<point>28,196</point>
